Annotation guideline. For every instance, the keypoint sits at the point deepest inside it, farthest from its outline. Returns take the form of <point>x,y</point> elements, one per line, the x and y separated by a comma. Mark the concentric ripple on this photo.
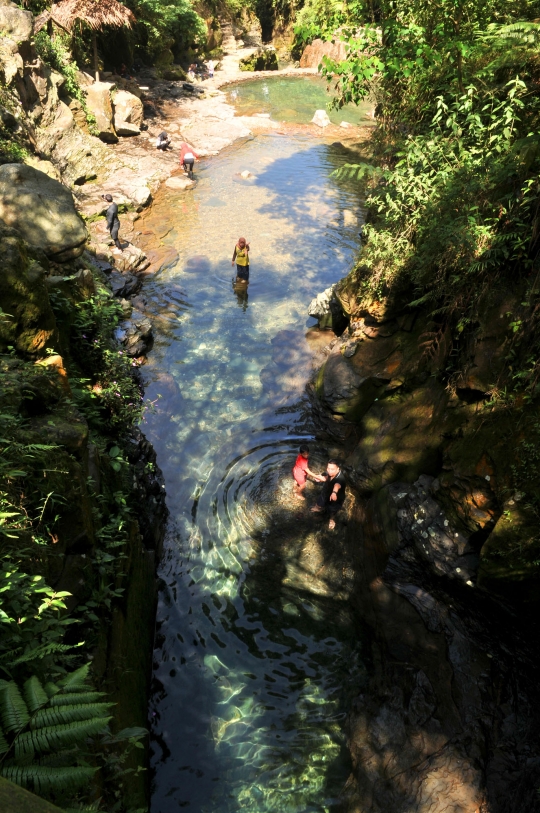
<point>255,646</point>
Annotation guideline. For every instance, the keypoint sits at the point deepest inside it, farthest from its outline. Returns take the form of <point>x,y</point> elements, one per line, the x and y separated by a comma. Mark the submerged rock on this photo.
<point>42,210</point>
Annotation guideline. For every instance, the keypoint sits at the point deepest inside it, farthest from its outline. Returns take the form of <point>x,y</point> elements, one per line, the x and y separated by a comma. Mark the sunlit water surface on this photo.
<point>292,99</point>
<point>251,663</point>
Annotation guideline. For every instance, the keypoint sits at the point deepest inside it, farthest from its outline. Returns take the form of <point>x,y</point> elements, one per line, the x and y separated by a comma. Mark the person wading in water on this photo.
<point>241,256</point>
<point>188,156</point>
<point>301,472</point>
<point>113,223</point>
<point>332,493</point>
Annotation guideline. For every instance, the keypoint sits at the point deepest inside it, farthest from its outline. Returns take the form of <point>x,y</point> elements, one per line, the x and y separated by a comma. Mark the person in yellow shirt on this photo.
<point>241,256</point>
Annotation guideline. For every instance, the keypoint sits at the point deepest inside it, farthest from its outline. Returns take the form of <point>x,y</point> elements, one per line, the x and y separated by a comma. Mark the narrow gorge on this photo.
<point>179,630</point>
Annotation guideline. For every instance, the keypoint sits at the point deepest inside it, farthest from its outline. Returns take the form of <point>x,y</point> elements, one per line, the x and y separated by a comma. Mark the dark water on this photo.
<point>252,657</point>
<point>292,99</point>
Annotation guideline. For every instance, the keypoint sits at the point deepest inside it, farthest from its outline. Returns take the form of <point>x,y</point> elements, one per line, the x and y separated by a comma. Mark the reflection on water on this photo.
<point>255,643</point>
<point>293,99</point>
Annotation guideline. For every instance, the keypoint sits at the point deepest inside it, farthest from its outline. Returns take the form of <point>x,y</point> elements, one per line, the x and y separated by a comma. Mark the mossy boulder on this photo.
<point>261,60</point>
<point>42,210</point>
<point>175,73</point>
<point>27,322</point>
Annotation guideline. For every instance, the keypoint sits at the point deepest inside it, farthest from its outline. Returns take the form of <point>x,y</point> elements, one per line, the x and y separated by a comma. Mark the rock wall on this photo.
<point>446,560</point>
<point>313,54</point>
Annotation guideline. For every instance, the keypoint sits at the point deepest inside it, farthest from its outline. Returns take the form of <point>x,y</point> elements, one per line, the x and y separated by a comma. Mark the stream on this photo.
<point>252,662</point>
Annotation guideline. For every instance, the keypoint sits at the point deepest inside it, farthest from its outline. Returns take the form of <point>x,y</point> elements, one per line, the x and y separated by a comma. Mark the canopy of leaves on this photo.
<point>454,207</point>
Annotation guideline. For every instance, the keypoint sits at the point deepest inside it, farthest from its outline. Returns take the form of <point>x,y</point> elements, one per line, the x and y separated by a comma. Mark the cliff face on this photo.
<point>444,531</point>
<point>407,408</point>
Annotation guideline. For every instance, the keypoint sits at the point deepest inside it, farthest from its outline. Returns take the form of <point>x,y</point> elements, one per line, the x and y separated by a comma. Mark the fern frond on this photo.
<point>41,779</point>
<point>34,694</point>
<point>41,652</point>
<point>75,699</point>
<point>51,689</point>
<point>75,681</point>
<point>13,711</point>
<point>60,715</point>
<point>55,737</point>
<point>4,747</point>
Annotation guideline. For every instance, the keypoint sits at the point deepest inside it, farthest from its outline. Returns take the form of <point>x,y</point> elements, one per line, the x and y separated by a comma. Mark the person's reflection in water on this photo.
<point>241,291</point>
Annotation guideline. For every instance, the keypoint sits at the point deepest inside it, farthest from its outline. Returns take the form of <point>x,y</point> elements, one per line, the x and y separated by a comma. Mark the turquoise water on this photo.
<point>255,649</point>
<point>292,99</point>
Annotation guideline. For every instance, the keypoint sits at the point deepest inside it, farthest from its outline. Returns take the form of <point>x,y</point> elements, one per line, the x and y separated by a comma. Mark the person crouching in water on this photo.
<point>241,256</point>
<point>188,156</point>
<point>301,472</point>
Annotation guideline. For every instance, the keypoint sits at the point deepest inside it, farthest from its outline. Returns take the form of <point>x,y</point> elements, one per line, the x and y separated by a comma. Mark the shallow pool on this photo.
<point>253,656</point>
<point>292,99</point>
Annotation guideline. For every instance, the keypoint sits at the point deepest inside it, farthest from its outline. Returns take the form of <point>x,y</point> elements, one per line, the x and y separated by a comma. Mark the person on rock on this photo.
<point>241,256</point>
<point>332,493</point>
<point>301,472</point>
<point>163,141</point>
<point>188,156</point>
<point>113,223</point>
<point>210,68</point>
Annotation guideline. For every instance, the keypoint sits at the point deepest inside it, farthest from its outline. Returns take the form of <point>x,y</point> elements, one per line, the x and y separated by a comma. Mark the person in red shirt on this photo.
<point>301,472</point>
<point>188,156</point>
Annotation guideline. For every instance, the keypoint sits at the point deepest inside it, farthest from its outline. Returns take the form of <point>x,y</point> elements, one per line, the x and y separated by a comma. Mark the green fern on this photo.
<point>43,728</point>
<point>75,681</point>
<point>42,780</point>
<point>70,699</point>
<point>34,694</point>
<point>50,738</point>
<point>62,715</point>
<point>13,711</point>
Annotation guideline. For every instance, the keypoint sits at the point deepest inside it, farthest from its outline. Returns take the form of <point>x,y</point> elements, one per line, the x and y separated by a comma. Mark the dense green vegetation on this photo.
<point>454,191</point>
<point>50,509</point>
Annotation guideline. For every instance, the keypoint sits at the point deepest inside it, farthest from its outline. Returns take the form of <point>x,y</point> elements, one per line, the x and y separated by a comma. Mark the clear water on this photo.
<point>292,99</point>
<point>254,651</point>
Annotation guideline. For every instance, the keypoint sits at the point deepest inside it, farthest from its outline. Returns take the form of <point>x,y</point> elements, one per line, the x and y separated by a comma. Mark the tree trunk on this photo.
<point>96,62</point>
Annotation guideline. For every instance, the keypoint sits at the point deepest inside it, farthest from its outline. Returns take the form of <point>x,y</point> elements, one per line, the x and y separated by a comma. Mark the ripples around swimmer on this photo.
<point>269,649</point>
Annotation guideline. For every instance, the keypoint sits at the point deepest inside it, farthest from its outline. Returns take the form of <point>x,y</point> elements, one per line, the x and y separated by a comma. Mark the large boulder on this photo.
<point>98,100</point>
<point>27,322</point>
<point>261,60</point>
<point>128,110</point>
<point>15,23</point>
<point>313,54</point>
<point>42,210</point>
<point>321,118</point>
<point>11,62</point>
